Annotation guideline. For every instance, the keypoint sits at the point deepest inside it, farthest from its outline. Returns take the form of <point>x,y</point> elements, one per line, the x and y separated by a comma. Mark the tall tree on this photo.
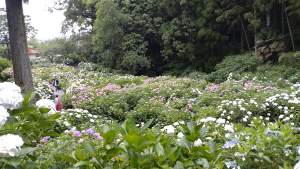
<point>58,47</point>
<point>4,34</point>
<point>124,31</point>
<point>78,14</point>
<point>18,44</point>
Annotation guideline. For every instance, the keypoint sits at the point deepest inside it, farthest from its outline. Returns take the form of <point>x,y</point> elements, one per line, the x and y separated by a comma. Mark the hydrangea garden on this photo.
<point>113,120</point>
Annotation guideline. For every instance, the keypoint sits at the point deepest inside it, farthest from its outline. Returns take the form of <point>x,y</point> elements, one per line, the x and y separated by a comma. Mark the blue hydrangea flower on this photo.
<point>295,128</point>
<point>230,144</point>
<point>232,164</point>
<point>270,131</point>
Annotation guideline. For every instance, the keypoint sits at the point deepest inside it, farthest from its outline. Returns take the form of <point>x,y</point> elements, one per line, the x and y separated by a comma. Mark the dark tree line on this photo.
<point>154,37</point>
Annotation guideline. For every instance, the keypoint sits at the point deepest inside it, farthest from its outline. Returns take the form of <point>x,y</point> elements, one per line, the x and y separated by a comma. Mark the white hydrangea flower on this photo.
<point>198,142</point>
<point>229,127</point>
<point>10,99</point>
<point>8,86</point>
<point>3,115</point>
<point>9,145</point>
<point>221,121</point>
<point>180,135</point>
<point>45,103</point>
<point>170,129</point>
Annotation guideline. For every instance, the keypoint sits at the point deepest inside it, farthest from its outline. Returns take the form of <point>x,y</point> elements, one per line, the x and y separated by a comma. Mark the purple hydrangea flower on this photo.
<point>90,131</point>
<point>45,139</point>
<point>97,136</point>
<point>77,133</point>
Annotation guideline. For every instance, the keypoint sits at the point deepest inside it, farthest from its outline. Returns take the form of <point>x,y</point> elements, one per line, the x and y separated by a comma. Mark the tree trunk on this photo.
<point>288,22</point>
<point>18,45</point>
<point>255,31</point>
<point>268,18</point>
<point>242,41</point>
<point>8,48</point>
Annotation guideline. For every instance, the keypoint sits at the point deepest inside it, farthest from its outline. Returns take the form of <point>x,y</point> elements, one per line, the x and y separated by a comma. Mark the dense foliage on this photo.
<point>170,36</point>
<point>124,121</point>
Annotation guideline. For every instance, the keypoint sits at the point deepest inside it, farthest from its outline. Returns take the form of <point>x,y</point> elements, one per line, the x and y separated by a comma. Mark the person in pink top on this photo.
<point>57,103</point>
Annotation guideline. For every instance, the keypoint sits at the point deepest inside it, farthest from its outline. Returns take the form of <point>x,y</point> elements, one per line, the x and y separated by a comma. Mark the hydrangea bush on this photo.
<point>248,121</point>
<point>19,125</point>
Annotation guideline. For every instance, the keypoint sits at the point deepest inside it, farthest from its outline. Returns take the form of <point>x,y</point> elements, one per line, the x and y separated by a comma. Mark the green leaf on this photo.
<point>198,127</point>
<point>54,116</point>
<point>145,126</point>
<point>28,98</point>
<point>130,125</point>
<point>146,158</point>
<point>115,165</point>
<point>79,155</point>
<point>178,165</point>
<point>212,146</point>
<point>204,152</point>
<point>25,139</point>
<point>24,151</point>
<point>133,158</point>
<point>118,126</point>
<point>11,161</point>
<point>159,149</point>
<point>44,110</point>
<point>203,130</point>
<point>168,154</point>
<point>82,163</point>
<point>193,137</point>
<point>32,157</point>
<point>88,146</point>
<point>144,144</point>
<point>267,158</point>
<point>188,163</point>
<point>25,110</point>
<point>70,159</point>
<point>4,132</point>
<point>185,128</point>
<point>29,126</point>
<point>109,136</point>
<point>132,139</point>
<point>17,124</point>
<point>34,115</point>
<point>173,157</point>
<point>183,142</point>
<point>52,133</point>
<point>30,165</point>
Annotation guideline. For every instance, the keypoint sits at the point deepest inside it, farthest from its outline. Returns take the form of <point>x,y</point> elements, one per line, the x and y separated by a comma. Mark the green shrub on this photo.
<point>66,101</point>
<point>235,64</point>
<point>290,59</point>
<point>265,67</point>
<point>4,63</point>
<point>7,73</point>
<point>76,58</point>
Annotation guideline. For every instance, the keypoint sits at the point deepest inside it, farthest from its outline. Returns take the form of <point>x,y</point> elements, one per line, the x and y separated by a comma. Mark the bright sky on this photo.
<point>48,24</point>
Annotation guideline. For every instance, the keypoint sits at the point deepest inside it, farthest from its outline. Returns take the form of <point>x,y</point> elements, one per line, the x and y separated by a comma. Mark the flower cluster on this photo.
<point>44,89</point>
<point>9,145</point>
<point>10,86</point>
<point>10,97</point>
<point>230,144</point>
<point>46,103</point>
<point>3,115</point>
<point>45,139</point>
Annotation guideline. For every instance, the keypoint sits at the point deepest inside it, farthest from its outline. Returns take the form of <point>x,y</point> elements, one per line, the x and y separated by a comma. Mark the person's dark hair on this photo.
<point>56,95</point>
